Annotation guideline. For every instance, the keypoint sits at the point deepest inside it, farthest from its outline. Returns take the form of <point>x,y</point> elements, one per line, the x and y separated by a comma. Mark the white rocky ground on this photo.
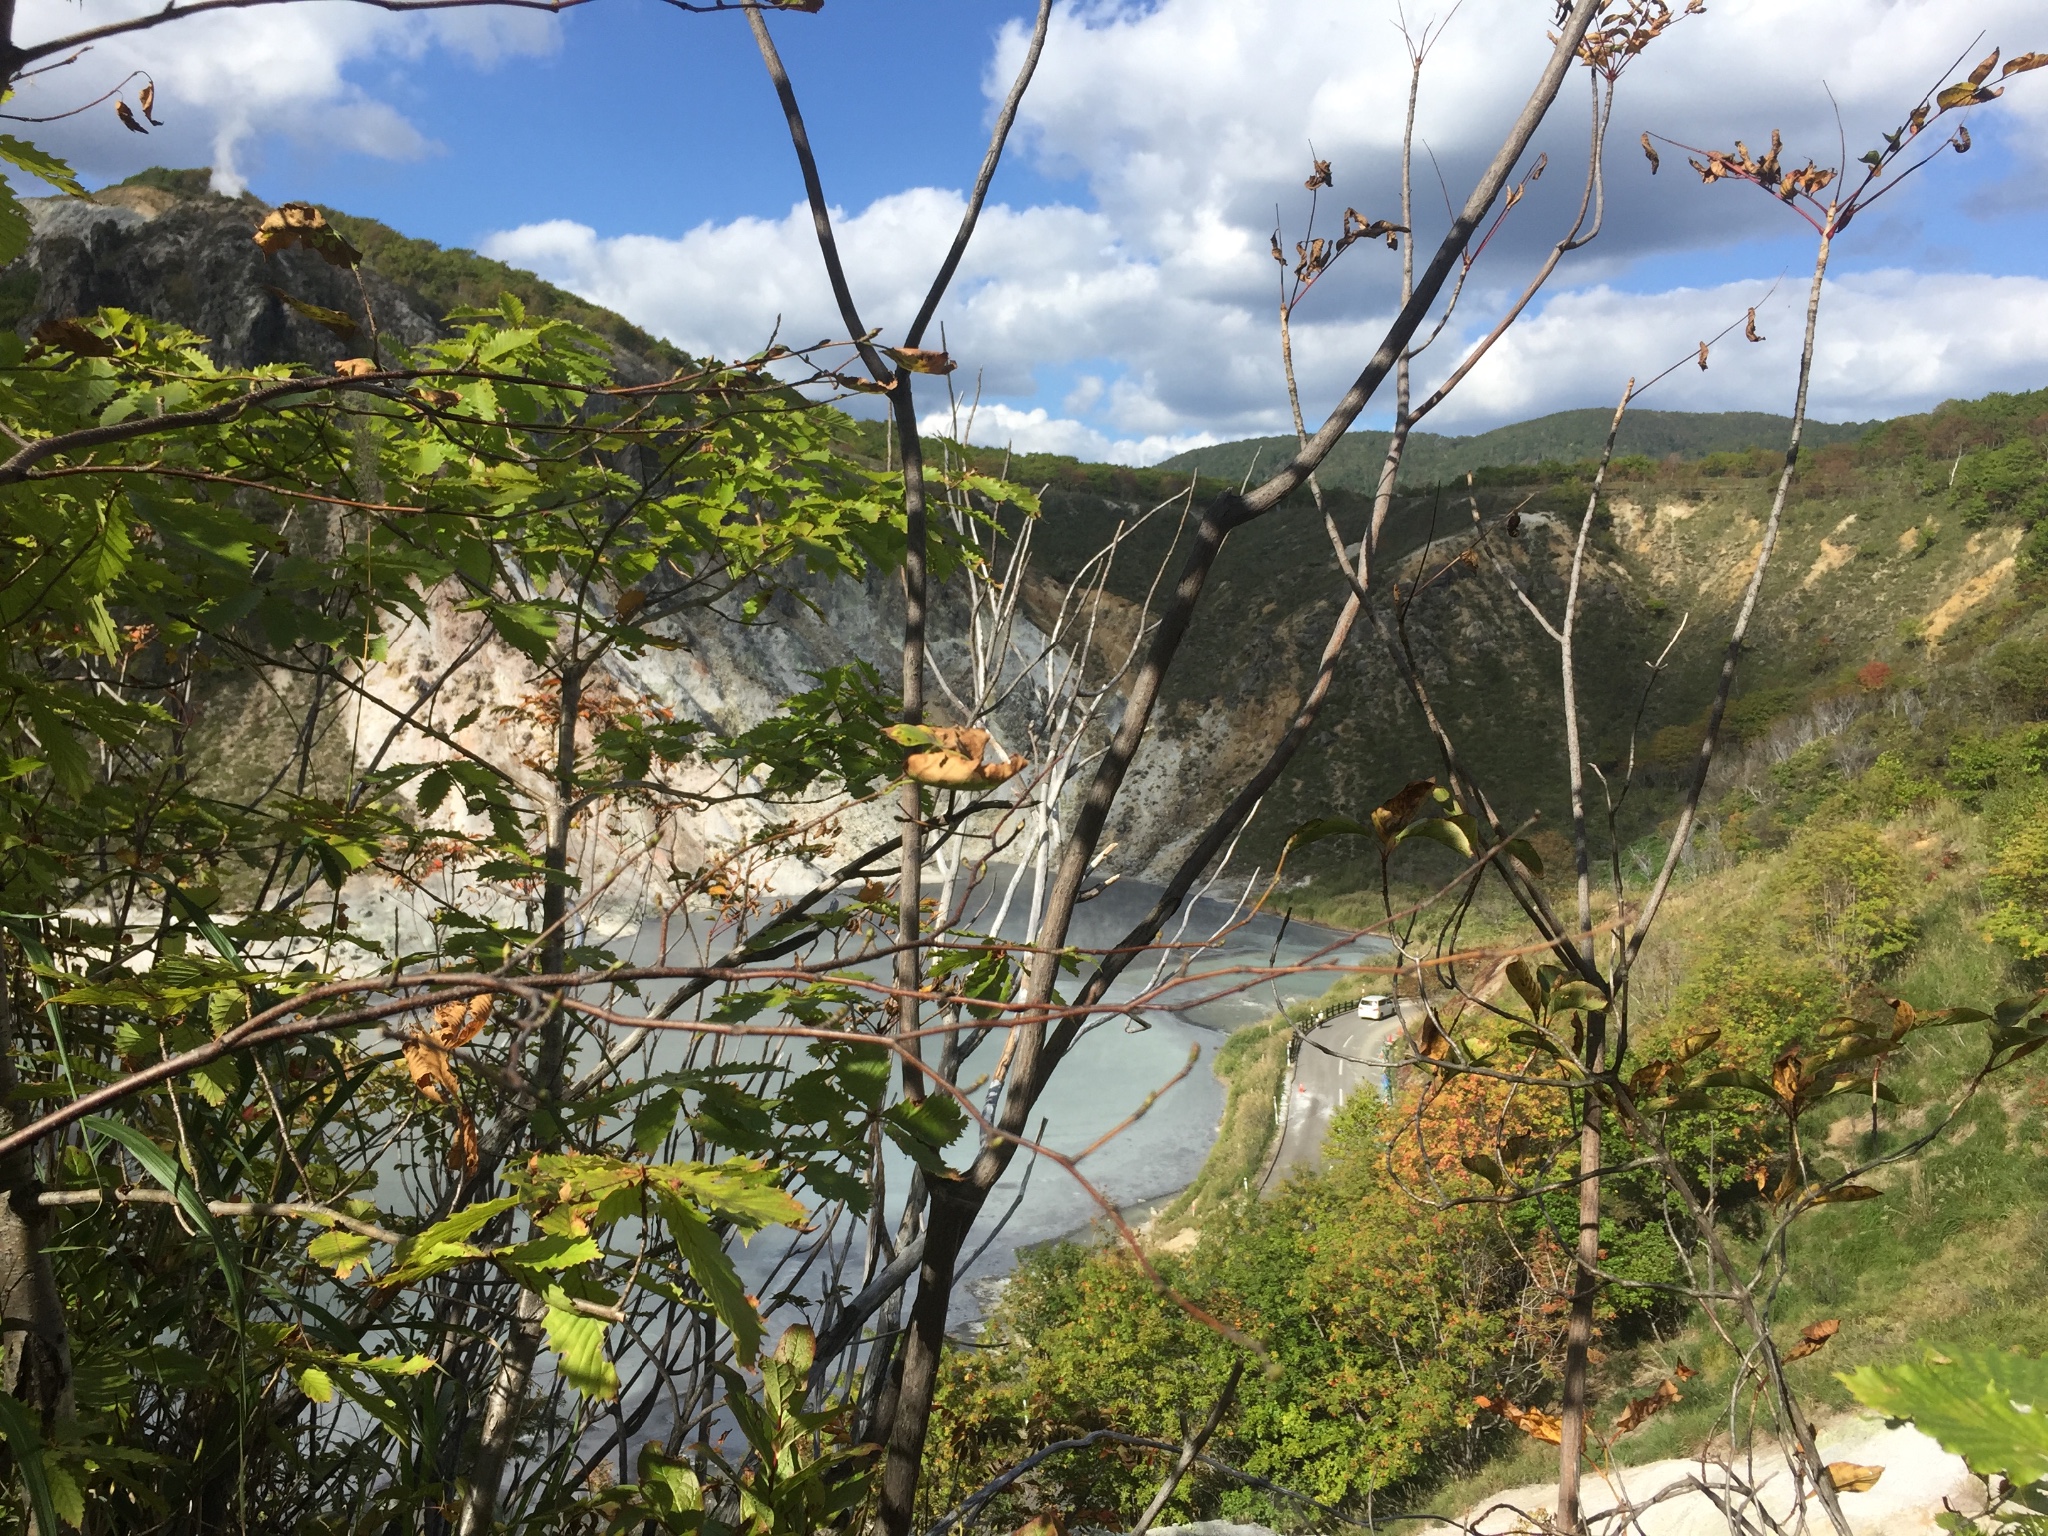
<point>1920,1480</point>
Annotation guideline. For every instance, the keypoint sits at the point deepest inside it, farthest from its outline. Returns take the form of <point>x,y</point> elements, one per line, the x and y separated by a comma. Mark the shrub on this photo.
<point>1843,890</point>
<point>2018,882</point>
<point>1890,787</point>
<point>1384,1314</point>
<point>2018,669</point>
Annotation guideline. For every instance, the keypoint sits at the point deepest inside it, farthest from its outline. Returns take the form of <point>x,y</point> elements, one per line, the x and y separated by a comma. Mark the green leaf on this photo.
<point>445,1244</point>
<point>15,228</point>
<point>1985,1406</point>
<point>1439,829</point>
<point>578,1343</point>
<point>526,627</point>
<point>1485,1167</point>
<point>1525,850</point>
<point>1001,491</point>
<point>711,1267</point>
<point>2011,1010</point>
<point>316,1384</point>
<point>27,1445</point>
<point>40,163</point>
<point>655,1119</point>
<point>342,1252</point>
<point>1735,1077</point>
<point>433,790</point>
<point>551,1253</point>
<point>911,736</point>
<point>924,1130</point>
<point>1577,997</point>
<point>65,1495</point>
<point>1523,980</point>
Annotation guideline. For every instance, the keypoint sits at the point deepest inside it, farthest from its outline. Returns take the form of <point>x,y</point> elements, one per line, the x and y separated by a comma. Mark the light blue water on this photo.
<point>1191,1005</point>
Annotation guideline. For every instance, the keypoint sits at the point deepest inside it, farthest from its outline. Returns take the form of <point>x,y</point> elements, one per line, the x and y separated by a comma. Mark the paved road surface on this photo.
<point>1336,1060</point>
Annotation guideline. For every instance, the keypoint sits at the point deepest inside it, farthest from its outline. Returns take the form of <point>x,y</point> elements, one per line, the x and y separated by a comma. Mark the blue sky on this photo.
<point>1119,303</point>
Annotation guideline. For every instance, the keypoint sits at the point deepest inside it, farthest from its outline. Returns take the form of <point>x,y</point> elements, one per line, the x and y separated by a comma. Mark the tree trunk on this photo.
<point>515,1364</point>
<point>953,1208</point>
<point>1579,1331</point>
<point>501,1417</point>
<point>37,1358</point>
<point>35,1365</point>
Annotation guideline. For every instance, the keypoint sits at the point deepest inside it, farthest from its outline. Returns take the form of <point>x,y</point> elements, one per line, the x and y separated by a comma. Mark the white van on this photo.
<point>1377,1006</point>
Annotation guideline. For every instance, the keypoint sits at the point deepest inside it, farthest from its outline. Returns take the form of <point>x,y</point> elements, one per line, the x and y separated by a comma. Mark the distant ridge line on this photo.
<point>1564,436</point>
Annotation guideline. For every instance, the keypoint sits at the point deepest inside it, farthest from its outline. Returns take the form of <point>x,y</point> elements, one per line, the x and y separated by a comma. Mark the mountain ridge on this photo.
<point>1561,436</point>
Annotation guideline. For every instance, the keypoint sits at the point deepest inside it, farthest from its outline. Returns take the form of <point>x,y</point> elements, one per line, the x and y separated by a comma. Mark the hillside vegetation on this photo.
<point>1878,829</point>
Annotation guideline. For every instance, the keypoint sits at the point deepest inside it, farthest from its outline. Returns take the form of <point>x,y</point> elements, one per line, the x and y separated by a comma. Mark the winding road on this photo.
<point>1341,1057</point>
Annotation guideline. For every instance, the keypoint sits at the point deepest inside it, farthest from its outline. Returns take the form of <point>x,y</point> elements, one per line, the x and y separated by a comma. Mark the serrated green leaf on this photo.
<point>528,629</point>
<point>66,1497</point>
<point>15,228</point>
<point>711,1267</point>
<point>316,1384</point>
<point>433,790</point>
<point>655,1119</point>
<point>552,1252</point>
<point>1985,1406</point>
<point>40,163</point>
<point>578,1343</point>
<point>342,1252</point>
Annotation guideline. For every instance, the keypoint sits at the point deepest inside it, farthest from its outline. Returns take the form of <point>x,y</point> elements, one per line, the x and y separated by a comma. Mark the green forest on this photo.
<point>551,888</point>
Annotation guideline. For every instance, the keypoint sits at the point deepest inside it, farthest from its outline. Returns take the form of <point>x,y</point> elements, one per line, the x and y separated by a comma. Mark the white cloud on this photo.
<point>1037,431</point>
<point>1137,316</point>
<point>224,80</point>
<point>1189,119</point>
<point>1889,342</point>
<point>1186,120</point>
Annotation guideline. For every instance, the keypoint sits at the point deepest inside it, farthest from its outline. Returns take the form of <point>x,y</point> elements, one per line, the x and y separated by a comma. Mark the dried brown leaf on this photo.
<point>1651,150</point>
<point>1395,814</point>
<point>290,224</point>
<point>1813,1338</point>
<point>920,359</point>
<point>464,1154</point>
<point>1643,1409</point>
<point>128,118</point>
<point>1848,1477</point>
<point>1847,1193</point>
